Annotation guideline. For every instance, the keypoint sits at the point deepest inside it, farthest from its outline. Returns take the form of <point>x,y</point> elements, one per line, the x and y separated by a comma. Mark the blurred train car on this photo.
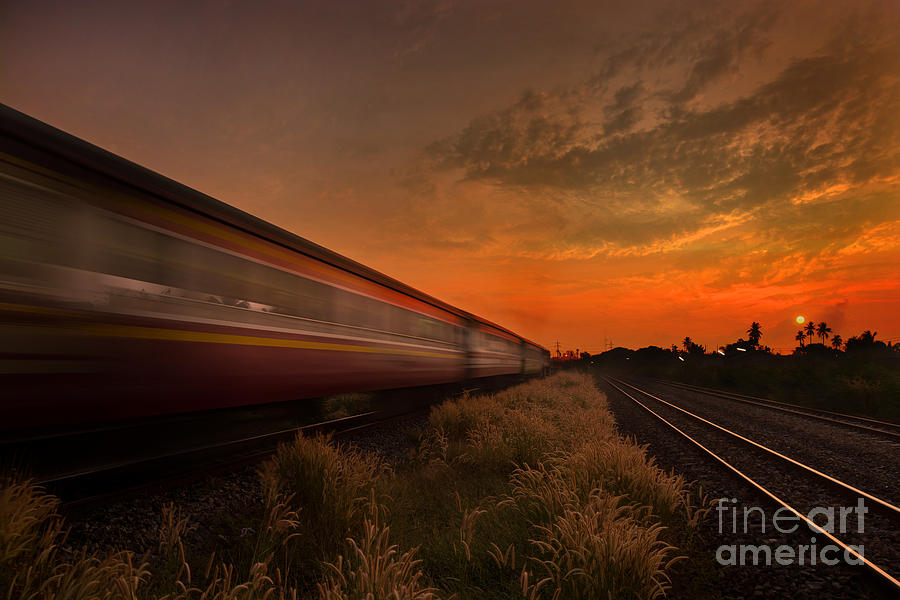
<point>125,294</point>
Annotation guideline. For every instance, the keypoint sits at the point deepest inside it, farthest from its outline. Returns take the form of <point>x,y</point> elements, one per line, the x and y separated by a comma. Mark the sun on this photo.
<point>800,319</point>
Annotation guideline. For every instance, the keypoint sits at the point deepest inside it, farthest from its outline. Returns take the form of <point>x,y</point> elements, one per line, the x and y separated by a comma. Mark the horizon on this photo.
<point>636,173</point>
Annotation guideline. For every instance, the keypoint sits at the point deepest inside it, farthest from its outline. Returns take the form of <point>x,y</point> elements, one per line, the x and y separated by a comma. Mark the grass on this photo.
<point>503,486</point>
<point>528,493</point>
<point>345,405</point>
<point>31,564</point>
<point>374,568</point>
<point>327,482</point>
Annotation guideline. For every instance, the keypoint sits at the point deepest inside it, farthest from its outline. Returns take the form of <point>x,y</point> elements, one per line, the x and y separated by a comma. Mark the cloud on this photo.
<point>878,238</point>
<point>661,173</point>
<point>418,23</point>
<point>721,54</point>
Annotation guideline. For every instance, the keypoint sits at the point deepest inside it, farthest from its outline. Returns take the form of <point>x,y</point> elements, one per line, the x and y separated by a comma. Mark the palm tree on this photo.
<point>800,337</point>
<point>687,343</point>
<point>823,331</point>
<point>867,336</point>
<point>810,330</point>
<point>755,332</point>
<point>836,341</point>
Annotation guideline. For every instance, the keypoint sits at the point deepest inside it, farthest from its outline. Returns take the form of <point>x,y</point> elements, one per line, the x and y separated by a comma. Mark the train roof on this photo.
<point>51,140</point>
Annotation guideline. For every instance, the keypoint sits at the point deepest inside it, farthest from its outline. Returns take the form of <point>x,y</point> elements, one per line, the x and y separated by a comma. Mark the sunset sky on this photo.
<point>591,171</point>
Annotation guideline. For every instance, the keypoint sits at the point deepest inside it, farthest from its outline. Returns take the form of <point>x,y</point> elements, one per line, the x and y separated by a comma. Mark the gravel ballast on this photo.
<point>674,452</point>
<point>131,523</point>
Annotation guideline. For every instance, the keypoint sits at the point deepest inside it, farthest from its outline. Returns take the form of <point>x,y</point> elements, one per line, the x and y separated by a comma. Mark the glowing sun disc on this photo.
<point>801,318</point>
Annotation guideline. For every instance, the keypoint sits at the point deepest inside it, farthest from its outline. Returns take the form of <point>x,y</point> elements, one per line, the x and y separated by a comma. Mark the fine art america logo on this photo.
<point>841,519</point>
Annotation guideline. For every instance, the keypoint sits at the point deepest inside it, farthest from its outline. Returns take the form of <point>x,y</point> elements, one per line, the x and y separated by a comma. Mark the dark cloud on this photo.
<point>531,128</point>
<point>418,23</point>
<point>825,122</point>
<point>625,111</point>
<point>721,54</point>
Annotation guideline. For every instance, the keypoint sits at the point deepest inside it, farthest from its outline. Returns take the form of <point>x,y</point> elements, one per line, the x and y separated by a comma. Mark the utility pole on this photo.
<point>558,353</point>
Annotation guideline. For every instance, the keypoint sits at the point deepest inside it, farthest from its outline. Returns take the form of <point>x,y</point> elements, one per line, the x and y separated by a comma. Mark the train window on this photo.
<point>425,327</point>
<point>395,318</point>
<point>117,248</point>
<point>406,322</point>
<point>145,255</point>
<point>373,316</point>
<point>313,300</point>
<point>362,311</point>
<point>275,288</point>
<point>374,313</point>
<point>446,332</point>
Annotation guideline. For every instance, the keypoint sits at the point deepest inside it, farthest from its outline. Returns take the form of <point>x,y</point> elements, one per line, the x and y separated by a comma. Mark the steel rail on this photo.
<point>143,475</point>
<point>776,405</point>
<point>274,435</point>
<point>847,549</point>
<point>797,463</point>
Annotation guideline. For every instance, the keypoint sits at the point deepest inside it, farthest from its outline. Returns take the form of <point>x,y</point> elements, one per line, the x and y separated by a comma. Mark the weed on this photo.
<point>374,568</point>
<point>327,482</point>
<point>600,551</point>
<point>526,493</point>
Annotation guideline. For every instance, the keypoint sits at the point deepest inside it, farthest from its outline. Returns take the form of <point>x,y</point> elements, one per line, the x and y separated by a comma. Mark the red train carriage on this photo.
<point>125,294</point>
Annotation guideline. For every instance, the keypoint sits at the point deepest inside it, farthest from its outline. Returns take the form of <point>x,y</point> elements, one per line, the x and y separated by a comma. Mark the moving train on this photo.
<point>124,294</point>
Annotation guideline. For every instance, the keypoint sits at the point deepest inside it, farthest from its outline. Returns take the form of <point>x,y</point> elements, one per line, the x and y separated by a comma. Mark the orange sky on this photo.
<point>632,171</point>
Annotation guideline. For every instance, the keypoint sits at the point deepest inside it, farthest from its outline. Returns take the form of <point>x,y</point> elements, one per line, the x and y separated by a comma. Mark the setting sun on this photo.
<point>801,319</point>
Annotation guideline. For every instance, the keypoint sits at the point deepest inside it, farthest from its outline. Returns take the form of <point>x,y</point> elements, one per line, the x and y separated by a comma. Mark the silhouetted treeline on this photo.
<point>861,378</point>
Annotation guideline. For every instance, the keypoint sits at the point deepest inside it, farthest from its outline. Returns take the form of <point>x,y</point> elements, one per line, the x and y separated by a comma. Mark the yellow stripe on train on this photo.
<point>185,335</point>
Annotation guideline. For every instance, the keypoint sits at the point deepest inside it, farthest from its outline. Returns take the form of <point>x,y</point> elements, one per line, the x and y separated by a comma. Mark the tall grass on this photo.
<point>328,482</point>
<point>374,568</point>
<point>345,405</point>
<point>32,564</point>
<point>519,425</point>
<point>623,467</point>
<point>600,551</point>
<point>526,493</point>
<point>564,503</point>
<point>591,543</point>
<point>30,530</point>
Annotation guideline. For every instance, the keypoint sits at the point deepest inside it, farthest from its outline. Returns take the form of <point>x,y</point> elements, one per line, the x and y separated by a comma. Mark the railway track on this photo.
<point>882,428</point>
<point>93,466</point>
<point>113,480</point>
<point>789,482</point>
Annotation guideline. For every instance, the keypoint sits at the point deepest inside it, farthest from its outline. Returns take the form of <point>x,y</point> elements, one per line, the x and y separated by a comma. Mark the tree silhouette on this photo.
<point>687,343</point>
<point>800,337</point>
<point>836,341</point>
<point>823,331</point>
<point>865,345</point>
<point>755,332</point>
<point>810,331</point>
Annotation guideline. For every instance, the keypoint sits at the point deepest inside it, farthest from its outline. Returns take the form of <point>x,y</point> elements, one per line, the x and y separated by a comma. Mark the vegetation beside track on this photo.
<point>859,382</point>
<point>528,493</point>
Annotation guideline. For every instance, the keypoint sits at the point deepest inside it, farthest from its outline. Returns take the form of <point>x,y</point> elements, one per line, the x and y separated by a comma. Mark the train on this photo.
<point>124,294</point>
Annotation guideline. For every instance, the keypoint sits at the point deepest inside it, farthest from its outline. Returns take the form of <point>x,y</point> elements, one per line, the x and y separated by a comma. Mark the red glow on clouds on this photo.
<point>701,169</point>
